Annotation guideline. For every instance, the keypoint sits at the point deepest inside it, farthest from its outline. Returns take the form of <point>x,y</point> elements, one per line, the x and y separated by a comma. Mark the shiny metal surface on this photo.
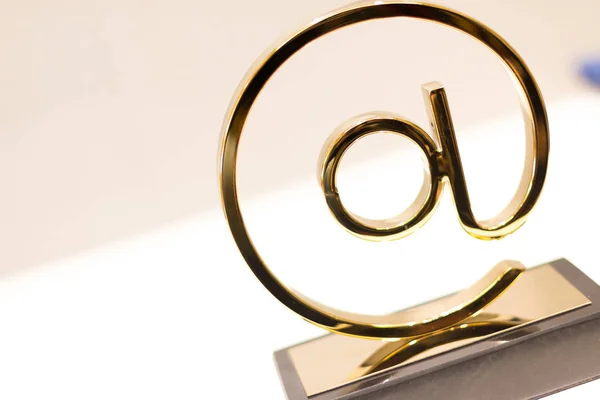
<point>332,361</point>
<point>443,162</point>
<point>395,353</point>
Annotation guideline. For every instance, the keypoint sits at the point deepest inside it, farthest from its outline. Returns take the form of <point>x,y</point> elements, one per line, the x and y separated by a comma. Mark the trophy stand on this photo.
<point>478,359</point>
<point>516,333</point>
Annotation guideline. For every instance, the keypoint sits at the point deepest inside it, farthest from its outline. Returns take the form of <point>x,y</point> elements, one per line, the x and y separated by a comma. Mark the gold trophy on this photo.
<point>517,333</point>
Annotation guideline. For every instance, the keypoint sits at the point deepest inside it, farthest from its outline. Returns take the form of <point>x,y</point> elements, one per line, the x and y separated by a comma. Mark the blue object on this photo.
<point>590,70</point>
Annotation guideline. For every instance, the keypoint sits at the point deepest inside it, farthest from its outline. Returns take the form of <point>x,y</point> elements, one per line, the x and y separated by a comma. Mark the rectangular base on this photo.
<point>532,360</point>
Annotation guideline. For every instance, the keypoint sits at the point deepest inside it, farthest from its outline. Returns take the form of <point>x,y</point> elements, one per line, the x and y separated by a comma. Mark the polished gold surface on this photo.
<point>395,353</point>
<point>443,164</point>
<point>441,313</point>
<point>334,360</point>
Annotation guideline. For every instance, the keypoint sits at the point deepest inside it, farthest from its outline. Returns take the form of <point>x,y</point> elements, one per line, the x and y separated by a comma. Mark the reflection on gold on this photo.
<point>394,353</point>
<point>445,312</point>
<point>442,165</point>
<point>332,361</point>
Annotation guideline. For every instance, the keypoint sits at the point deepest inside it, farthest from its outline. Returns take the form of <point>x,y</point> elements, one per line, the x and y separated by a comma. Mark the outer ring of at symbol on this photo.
<point>369,326</point>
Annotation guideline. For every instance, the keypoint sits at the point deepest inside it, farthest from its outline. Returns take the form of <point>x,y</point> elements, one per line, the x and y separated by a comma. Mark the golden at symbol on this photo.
<point>444,164</point>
